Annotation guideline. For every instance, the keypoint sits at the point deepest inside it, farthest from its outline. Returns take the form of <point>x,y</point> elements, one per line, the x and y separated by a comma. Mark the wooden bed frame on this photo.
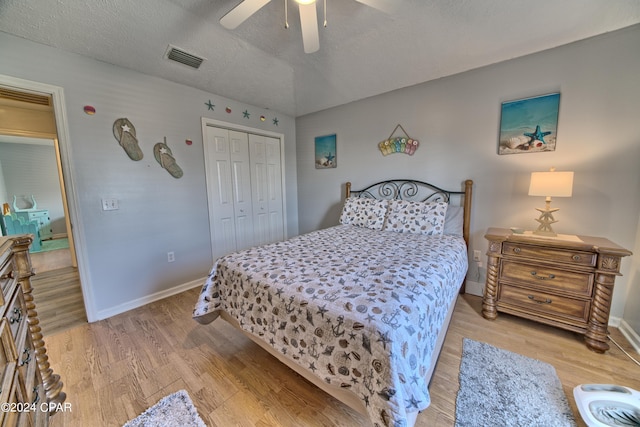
<point>405,189</point>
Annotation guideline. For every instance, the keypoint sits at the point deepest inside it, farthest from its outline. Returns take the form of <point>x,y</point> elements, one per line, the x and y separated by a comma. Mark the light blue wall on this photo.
<point>126,250</point>
<point>456,119</point>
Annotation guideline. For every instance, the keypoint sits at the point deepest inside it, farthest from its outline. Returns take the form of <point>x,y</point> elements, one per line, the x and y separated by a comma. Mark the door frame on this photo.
<point>65,172</point>
<point>240,128</point>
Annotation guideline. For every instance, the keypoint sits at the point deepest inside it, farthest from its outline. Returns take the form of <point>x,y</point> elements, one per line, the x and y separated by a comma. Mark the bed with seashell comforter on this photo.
<point>360,309</point>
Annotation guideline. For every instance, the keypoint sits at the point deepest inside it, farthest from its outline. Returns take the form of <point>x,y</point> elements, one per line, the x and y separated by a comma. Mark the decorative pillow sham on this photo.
<point>416,217</point>
<point>363,212</point>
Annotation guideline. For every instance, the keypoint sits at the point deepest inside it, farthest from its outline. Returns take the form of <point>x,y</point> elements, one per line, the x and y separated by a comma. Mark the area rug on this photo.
<point>501,388</point>
<point>174,410</point>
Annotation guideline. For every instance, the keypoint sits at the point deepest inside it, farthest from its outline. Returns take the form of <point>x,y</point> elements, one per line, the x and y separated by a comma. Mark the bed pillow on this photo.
<point>416,217</point>
<point>363,212</point>
<point>453,220</point>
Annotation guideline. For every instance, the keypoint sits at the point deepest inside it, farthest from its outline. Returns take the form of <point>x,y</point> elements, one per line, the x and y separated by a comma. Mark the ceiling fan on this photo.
<point>308,17</point>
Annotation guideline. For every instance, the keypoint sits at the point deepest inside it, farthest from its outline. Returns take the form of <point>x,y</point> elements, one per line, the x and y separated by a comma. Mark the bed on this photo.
<point>360,309</point>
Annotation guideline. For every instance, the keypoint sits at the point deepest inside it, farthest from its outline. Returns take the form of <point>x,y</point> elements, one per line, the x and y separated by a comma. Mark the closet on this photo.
<point>244,189</point>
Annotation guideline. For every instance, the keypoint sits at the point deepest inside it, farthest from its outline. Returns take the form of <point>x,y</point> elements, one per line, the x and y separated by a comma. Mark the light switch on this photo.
<point>110,204</point>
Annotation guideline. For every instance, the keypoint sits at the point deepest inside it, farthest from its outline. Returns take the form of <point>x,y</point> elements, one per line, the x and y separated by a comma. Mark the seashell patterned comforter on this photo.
<point>359,308</point>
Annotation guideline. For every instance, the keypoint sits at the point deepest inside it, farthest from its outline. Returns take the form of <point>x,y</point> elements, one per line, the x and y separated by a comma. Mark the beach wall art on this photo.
<point>325,150</point>
<point>529,125</point>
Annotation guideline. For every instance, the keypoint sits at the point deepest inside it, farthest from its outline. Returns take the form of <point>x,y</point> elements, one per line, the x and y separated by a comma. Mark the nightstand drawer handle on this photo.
<point>537,301</point>
<point>549,277</point>
<point>516,250</point>
<point>576,257</point>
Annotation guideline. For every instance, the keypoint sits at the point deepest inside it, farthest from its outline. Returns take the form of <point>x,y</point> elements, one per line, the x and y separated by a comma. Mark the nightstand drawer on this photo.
<point>545,303</point>
<point>541,253</point>
<point>552,278</point>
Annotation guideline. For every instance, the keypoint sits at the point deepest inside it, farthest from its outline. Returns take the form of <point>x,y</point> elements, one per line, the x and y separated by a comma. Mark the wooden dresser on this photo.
<point>29,391</point>
<point>566,283</point>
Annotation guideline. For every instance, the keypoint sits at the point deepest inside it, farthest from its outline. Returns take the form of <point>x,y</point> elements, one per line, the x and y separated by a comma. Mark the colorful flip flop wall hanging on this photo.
<point>398,144</point>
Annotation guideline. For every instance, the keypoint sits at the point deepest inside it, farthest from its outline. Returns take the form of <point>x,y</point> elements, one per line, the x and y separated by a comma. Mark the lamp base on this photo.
<point>545,220</point>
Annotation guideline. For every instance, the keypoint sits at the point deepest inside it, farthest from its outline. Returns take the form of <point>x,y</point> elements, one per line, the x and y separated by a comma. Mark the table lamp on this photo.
<point>549,184</point>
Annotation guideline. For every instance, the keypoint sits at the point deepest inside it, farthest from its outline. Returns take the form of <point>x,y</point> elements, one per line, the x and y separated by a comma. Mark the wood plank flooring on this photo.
<point>58,297</point>
<point>116,368</point>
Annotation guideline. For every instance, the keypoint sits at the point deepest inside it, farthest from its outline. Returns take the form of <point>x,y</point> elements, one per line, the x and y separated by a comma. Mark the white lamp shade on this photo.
<point>555,184</point>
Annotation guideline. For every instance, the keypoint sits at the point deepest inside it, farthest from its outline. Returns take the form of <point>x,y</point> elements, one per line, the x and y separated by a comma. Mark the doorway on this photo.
<point>23,119</point>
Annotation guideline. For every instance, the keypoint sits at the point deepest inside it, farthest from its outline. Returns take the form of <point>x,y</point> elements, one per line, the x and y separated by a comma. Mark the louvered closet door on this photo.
<point>266,185</point>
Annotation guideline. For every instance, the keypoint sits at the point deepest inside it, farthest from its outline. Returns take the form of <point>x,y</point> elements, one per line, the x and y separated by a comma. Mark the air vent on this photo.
<point>186,58</point>
<point>31,98</point>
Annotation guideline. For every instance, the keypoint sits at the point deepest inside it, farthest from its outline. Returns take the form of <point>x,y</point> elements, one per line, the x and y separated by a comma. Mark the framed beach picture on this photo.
<point>529,125</point>
<point>326,152</point>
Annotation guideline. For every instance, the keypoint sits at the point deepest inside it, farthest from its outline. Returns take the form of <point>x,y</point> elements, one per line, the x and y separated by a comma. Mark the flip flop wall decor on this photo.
<point>125,134</point>
<point>399,144</point>
<point>164,156</point>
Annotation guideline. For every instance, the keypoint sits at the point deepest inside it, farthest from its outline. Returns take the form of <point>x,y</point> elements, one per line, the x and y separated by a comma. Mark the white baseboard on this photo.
<point>630,334</point>
<point>130,305</point>
<point>474,288</point>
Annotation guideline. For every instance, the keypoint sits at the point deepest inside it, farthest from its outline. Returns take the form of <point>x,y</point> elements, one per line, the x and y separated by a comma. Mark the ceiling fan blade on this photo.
<point>309,25</point>
<point>241,12</point>
<point>386,6</point>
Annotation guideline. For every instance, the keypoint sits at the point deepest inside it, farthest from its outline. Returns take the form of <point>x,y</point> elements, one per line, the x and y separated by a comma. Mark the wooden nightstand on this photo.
<point>566,283</point>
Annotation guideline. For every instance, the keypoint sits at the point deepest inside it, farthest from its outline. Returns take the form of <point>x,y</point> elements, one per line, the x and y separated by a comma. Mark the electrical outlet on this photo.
<point>171,257</point>
<point>476,255</point>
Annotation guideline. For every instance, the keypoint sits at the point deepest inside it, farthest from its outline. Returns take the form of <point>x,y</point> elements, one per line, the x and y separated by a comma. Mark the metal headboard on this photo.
<point>414,190</point>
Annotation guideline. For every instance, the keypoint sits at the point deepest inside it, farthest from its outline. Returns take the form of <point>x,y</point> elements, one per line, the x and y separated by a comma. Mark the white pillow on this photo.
<point>364,212</point>
<point>453,220</point>
<point>416,217</point>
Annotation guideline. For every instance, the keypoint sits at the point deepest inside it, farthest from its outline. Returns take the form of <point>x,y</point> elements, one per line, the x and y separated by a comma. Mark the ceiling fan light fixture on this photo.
<point>308,17</point>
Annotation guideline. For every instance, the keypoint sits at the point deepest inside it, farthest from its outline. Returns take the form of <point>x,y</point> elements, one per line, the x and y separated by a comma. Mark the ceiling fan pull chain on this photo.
<point>325,13</point>
<point>286,15</point>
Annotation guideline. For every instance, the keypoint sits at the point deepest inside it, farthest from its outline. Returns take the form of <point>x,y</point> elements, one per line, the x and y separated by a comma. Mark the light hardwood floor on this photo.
<point>58,298</point>
<point>114,369</point>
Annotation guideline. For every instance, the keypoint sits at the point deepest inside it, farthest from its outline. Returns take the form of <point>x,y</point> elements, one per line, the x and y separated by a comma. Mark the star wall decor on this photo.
<point>245,114</point>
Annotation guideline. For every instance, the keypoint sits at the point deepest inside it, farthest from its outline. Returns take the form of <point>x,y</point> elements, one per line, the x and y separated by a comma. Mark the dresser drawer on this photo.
<point>16,316</point>
<point>573,282</point>
<point>545,303</point>
<point>8,351</point>
<point>557,255</point>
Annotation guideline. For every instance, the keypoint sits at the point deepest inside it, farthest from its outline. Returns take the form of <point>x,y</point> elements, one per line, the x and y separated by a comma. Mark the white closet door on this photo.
<point>244,188</point>
<point>241,181</point>
<point>259,190</point>
<point>274,189</point>
<point>266,179</point>
<point>220,191</point>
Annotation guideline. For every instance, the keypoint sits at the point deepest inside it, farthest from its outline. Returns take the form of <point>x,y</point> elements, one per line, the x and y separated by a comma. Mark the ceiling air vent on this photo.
<point>186,58</point>
<point>31,98</point>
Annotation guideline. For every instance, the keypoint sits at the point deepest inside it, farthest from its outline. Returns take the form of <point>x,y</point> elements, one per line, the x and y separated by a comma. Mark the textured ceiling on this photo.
<point>363,52</point>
